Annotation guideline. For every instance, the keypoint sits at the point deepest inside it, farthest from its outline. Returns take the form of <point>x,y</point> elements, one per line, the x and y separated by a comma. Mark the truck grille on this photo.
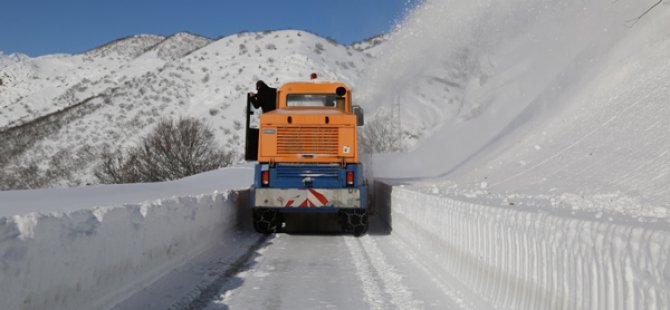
<point>307,140</point>
<point>301,171</point>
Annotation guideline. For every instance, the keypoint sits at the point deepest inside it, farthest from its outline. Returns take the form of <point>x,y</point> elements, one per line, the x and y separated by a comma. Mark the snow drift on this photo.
<point>522,259</point>
<point>78,256</point>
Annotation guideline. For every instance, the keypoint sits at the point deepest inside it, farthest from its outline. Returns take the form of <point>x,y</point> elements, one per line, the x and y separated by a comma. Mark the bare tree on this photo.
<point>116,168</point>
<point>173,150</point>
<point>381,135</point>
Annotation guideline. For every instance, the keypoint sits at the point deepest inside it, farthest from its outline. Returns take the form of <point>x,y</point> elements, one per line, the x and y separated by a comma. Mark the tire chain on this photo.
<point>355,222</point>
<point>266,221</point>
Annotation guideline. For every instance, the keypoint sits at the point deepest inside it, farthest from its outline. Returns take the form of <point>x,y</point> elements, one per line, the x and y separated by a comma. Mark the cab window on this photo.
<point>313,100</point>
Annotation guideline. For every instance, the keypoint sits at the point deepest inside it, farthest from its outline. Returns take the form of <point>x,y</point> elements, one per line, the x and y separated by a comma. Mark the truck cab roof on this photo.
<point>314,95</point>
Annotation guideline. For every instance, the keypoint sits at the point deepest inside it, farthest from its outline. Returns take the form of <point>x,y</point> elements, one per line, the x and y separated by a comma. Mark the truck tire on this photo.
<point>266,221</point>
<point>354,221</point>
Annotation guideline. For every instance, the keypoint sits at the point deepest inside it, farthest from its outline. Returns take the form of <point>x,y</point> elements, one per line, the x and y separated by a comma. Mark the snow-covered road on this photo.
<point>344,272</point>
<point>305,269</point>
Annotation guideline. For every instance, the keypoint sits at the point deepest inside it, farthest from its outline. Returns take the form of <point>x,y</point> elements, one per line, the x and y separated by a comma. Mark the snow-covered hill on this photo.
<point>6,60</point>
<point>74,106</point>
<point>564,109</point>
<point>372,46</point>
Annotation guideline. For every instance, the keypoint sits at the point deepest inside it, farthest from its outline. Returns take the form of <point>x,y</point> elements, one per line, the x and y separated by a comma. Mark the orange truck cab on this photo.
<point>307,157</point>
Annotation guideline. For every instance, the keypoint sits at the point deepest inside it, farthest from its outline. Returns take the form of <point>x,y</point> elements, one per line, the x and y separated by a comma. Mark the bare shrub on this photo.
<point>318,48</point>
<point>381,134</point>
<point>116,168</point>
<point>29,176</point>
<point>173,150</point>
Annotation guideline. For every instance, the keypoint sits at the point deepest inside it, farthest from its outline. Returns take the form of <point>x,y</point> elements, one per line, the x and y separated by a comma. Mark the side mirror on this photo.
<point>360,118</point>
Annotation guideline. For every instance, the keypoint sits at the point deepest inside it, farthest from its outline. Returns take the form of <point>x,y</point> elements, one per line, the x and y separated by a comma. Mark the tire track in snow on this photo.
<point>218,288</point>
<point>371,290</point>
<point>370,260</point>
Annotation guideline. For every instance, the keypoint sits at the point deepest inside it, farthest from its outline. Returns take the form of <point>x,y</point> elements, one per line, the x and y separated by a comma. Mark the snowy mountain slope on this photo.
<point>606,149</point>
<point>567,110</point>
<point>43,85</point>
<point>45,104</point>
<point>31,84</point>
<point>141,79</point>
<point>372,46</point>
<point>125,48</point>
<point>46,84</point>
<point>176,46</point>
<point>419,93</point>
<point>6,60</point>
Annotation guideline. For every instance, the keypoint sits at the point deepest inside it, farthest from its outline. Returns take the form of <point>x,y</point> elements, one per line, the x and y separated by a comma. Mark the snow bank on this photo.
<point>94,258</point>
<point>520,259</point>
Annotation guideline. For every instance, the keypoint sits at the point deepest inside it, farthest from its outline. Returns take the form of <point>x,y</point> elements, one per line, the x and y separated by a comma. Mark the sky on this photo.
<point>38,27</point>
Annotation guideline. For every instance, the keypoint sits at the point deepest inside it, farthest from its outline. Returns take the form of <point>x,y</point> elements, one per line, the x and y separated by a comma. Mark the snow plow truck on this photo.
<point>306,155</point>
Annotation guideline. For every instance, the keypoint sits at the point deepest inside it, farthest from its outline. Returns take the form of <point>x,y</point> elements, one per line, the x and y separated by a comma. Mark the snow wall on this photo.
<point>531,259</point>
<point>92,259</point>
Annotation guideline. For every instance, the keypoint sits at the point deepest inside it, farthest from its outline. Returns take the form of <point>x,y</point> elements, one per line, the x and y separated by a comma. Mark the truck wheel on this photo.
<point>354,221</point>
<point>266,221</point>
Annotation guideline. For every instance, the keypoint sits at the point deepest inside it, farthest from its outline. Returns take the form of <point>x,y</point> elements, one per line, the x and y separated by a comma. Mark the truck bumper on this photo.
<point>340,198</point>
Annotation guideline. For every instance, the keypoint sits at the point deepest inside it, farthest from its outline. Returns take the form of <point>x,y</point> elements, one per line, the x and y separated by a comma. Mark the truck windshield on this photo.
<point>311,100</point>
